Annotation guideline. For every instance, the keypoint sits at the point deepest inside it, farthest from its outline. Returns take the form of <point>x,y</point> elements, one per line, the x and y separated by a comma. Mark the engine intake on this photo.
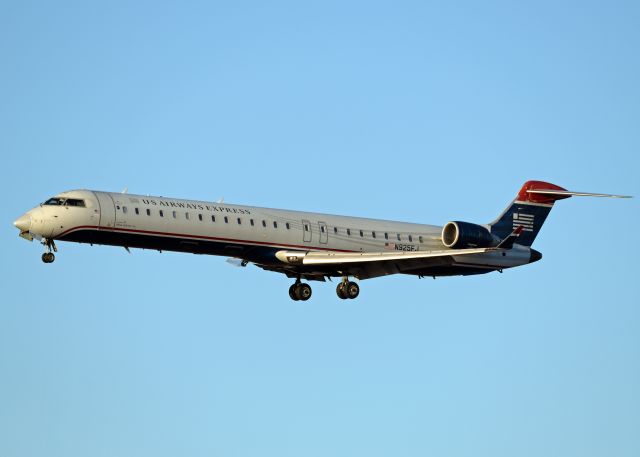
<point>459,235</point>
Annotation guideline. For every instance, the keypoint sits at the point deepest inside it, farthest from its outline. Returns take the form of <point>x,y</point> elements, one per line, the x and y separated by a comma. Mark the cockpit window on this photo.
<point>57,201</point>
<point>74,202</point>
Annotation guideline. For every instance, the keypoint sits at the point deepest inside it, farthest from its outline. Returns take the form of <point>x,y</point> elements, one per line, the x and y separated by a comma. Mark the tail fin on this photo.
<point>530,209</point>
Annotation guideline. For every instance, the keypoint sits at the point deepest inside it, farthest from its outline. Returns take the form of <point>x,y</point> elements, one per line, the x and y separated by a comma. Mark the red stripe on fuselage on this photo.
<point>200,237</point>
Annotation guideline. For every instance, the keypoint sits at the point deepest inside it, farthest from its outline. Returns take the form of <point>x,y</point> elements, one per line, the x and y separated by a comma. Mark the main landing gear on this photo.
<point>347,289</point>
<point>300,291</point>
<point>48,256</point>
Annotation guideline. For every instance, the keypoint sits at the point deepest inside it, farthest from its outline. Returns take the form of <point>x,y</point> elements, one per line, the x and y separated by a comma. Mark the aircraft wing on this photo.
<point>332,258</point>
<point>365,265</point>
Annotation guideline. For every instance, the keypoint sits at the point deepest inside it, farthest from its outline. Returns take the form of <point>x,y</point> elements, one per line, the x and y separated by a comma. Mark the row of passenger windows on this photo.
<point>175,214</point>
<point>187,216</point>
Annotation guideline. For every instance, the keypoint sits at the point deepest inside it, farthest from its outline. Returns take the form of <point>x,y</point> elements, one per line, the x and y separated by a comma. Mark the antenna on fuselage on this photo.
<point>220,200</point>
<point>125,190</point>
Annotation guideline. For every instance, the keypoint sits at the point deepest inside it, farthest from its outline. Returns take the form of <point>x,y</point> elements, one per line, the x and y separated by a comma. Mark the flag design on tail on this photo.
<point>528,210</point>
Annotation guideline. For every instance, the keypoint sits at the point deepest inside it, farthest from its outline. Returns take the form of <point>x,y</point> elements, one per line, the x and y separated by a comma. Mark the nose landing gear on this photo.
<point>50,246</point>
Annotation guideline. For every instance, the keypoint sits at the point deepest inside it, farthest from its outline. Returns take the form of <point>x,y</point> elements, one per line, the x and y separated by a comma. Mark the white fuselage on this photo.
<point>221,221</point>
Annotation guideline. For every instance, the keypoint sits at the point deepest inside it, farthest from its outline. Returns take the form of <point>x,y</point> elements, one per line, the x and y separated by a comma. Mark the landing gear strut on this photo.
<point>50,246</point>
<point>300,291</point>
<point>347,289</point>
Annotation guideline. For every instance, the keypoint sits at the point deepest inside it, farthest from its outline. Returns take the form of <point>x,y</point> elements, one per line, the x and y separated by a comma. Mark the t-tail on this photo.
<point>524,217</point>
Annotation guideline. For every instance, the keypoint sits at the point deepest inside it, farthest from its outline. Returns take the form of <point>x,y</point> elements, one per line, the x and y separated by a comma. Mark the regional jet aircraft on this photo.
<point>301,245</point>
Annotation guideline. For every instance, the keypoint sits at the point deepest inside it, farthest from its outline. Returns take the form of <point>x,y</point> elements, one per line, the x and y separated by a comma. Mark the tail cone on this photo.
<point>535,256</point>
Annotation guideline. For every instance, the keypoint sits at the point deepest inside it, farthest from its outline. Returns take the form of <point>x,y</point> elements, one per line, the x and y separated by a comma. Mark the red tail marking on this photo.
<point>525,196</point>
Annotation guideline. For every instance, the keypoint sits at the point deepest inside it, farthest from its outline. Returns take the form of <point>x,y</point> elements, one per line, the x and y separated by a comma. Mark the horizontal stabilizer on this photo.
<point>567,193</point>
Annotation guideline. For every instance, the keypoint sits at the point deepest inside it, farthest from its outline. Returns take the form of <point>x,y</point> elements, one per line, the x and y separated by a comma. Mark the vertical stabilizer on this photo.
<point>529,210</point>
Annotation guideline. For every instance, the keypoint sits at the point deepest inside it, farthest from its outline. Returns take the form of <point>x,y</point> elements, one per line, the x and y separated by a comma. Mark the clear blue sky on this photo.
<point>425,111</point>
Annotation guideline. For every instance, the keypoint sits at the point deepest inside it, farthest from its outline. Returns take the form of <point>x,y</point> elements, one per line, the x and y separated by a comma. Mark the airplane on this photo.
<point>301,245</point>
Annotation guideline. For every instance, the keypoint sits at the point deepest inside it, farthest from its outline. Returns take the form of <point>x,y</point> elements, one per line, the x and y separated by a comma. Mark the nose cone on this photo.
<point>23,223</point>
<point>535,256</point>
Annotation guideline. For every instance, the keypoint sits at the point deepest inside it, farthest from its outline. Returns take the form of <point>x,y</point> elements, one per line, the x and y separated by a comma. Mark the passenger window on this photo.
<point>124,210</point>
<point>226,220</point>
<point>239,221</point>
<point>349,232</point>
<point>361,233</point>
<point>161,213</point>
<point>200,217</point>
<point>213,218</point>
<point>137,210</point>
<point>251,222</point>
<point>287,225</point>
<point>420,238</point>
<point>275,224</point>
<point>264,223</point>
<point>335,230</point>
<point>410,239</point>
<point>175,214</point>
<point>322,228</point>
<point>386,236</point>
<point>399,239</point>
<point>186,216</point>
<point>148,212</point>
<point>306,227</point>
<point>373,234</point>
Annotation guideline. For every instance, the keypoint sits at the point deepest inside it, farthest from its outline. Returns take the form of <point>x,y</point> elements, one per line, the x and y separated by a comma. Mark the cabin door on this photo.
<point>107,209</point>
<point>324,235</point>
<point>306,231</point>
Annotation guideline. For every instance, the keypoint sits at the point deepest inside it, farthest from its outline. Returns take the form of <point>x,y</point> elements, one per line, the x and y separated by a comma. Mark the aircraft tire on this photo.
<point>48,257</point>
<point>352,290</point>
<point>293,292</point>
<point>340,291</point>
<point>303,292</point>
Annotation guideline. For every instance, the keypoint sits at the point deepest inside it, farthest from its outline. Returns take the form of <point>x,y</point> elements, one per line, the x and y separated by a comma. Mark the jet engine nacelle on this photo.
<point>460,235</point>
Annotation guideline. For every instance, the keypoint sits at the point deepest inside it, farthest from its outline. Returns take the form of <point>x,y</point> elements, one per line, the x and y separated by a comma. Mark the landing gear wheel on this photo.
<point>292,292</point>
<point>347,290</point>
<point>48,257</point>
<point>340,291</point>
<point>300,291</point>
<point>351,290</point>
<point>303,292</point>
